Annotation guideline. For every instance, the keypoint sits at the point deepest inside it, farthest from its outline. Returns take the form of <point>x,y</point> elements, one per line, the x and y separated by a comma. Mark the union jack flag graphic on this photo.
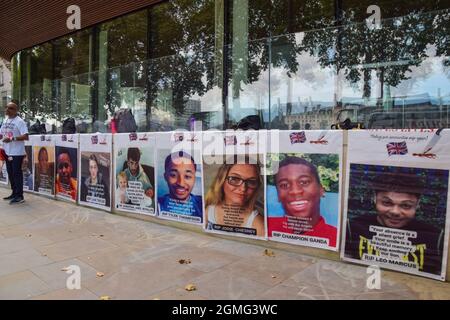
<point>298,137</point>
<point>397,148</point>
<point>230,140</point>
<point>64,138</point>
<point>94,139</point>
<point>133,136</point>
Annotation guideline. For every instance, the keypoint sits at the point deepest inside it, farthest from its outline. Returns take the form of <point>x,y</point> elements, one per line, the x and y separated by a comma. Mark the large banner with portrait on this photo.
<point>94,177</point>
<point>233,164</point>
<point>3,171</point>
<point>44,164</point>
<point>179,182</point>
<point>303,187</point>
<point>66,182</point>
<point>27,167</point>
<point>396,207</point>
<point>134,163</point>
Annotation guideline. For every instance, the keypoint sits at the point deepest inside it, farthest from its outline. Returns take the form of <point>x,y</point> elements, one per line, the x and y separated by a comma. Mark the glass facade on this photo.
<point>280,64</point>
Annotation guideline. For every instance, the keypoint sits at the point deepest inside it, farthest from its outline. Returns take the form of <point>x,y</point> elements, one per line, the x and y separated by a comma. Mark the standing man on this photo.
<point>13,133</point>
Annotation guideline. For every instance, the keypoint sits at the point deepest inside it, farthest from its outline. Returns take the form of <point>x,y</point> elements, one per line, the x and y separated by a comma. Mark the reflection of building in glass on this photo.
<point>236,59</point>
<point>304,116</point>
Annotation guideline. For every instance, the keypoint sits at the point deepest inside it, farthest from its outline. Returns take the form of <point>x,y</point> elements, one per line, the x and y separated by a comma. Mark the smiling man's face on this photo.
<point>180,177</point>
<point>395,209</point>
<point>299,191</point>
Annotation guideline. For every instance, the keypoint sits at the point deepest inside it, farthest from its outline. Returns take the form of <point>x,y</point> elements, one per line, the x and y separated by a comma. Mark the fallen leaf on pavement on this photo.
<point>100,274</point>
<point>184,261</point>
<point>269,253</point>
<point>97,235</point>
<point>190,287</point>
<point>105,298</point>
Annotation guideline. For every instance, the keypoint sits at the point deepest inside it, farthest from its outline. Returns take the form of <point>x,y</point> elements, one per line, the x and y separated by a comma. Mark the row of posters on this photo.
<point>281,185</point>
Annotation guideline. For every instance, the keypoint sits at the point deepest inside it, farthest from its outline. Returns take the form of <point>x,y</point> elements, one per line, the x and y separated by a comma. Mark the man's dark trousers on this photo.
<point>15,175</point>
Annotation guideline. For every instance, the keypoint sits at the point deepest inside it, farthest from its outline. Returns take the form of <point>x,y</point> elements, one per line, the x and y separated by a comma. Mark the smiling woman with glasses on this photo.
<point>230,203</point>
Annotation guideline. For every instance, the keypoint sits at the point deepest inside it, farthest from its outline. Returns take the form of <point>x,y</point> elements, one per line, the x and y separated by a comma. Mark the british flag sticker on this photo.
<point>133,136</point>
<point>297,137</point>
<point>397,148</point>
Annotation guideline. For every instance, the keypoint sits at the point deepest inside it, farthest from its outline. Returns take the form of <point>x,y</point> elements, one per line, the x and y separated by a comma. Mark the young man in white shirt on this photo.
<point>13,133</point>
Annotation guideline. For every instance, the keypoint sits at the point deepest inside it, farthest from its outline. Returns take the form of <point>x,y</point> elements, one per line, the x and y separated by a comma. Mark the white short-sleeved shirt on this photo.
<point>12,128</point>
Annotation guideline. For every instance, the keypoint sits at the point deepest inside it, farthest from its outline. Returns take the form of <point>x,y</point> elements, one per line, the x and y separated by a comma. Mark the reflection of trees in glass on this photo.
<point>182,51</point>
<point>277,20</point>
<point>185,40</point>
<point>72,54</point>
<point>36,75</point>
<point>355,51</point>
<point>72,69</point>
<point>126,39</point>
<point>123,47</point>
<point>442,39</point>
<point>271,42</point>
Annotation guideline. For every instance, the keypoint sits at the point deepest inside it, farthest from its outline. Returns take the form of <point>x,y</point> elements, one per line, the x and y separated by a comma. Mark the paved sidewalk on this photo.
<point>139,260</point>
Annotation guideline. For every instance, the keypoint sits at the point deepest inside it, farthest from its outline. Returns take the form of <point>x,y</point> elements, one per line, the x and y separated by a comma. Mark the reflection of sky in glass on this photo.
<point>318,84</point>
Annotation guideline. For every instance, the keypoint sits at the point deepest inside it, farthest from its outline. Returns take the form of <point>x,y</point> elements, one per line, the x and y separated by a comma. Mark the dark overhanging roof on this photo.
<point>26,23</point>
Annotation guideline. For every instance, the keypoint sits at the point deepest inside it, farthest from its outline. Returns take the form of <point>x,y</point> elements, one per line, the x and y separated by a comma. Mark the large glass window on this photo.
<point>16,83</point>
<point>185,65</point>
<point>394,75</point>
<point>306,64</point>
<point>264,54</point>
<point>325,64</point>
<point>41,75</point>
<point>122,53</point>
<point>74,78</point>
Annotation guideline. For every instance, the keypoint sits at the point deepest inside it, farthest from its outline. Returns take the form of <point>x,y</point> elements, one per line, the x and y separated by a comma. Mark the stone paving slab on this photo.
<point>21,285</point>
<point>126,258</point>
<point>21,261</point>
